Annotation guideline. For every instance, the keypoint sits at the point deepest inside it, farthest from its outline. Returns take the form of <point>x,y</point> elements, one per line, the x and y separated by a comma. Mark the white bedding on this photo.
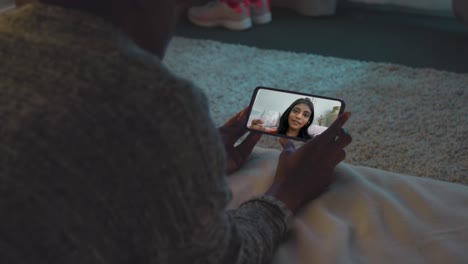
<point>368,216</point>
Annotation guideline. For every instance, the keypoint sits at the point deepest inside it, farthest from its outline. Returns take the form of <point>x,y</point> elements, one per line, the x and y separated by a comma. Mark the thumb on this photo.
<point>284,158</point>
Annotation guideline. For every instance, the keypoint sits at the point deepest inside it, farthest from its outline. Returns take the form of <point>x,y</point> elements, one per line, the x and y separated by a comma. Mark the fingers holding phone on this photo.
<point>230,133</point>
<point>304,174</point>
<point>336,138</point>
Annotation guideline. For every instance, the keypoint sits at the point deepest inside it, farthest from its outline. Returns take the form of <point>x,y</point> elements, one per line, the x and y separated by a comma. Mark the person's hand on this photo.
<point>257,124</point>
<point>303,174</point>
<point>230,133</point>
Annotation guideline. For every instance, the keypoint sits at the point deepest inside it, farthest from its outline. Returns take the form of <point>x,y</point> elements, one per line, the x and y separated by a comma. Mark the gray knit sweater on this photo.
<point>107,158</point>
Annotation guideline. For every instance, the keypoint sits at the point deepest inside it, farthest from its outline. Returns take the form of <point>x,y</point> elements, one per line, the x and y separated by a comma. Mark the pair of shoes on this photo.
<point>238,16</point>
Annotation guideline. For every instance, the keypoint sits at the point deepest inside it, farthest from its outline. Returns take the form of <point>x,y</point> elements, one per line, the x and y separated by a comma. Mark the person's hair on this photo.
<point>284,125</point>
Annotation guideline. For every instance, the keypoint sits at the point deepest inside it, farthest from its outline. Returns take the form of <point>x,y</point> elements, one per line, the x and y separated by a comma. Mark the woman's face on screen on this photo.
<point>299,116</point>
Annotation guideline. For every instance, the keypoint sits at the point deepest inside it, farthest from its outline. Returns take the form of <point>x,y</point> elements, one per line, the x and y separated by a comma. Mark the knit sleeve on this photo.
<point>259,225</point>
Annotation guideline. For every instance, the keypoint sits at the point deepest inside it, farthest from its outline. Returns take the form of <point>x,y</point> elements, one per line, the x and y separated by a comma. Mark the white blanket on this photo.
<point>368,216</point>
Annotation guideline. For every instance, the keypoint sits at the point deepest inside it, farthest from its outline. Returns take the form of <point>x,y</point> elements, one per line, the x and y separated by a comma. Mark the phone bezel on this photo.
<point>254,96</point>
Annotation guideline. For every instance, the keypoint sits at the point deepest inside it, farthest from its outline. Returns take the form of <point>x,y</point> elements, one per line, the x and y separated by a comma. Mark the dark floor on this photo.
<point>357,33</point>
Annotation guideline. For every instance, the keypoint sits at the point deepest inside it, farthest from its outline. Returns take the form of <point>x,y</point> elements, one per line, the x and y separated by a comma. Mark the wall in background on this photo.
<point>440,5</point>
<point>432,7</point>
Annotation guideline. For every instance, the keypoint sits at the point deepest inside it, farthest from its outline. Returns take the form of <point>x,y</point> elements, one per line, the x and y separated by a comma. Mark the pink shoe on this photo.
<point>219,13</point>
<point>260,10</point>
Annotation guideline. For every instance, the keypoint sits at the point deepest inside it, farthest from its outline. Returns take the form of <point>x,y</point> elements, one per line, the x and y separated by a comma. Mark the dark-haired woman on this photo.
<point>296,120</point>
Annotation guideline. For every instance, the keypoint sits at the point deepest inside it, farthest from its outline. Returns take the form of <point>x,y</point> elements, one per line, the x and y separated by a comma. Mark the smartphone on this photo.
<point>294,115</point>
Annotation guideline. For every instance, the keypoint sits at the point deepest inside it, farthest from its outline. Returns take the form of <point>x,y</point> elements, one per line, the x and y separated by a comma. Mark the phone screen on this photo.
<point>294,115</point>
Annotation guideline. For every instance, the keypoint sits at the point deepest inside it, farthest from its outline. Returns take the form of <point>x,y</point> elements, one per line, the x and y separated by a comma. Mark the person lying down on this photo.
<point>108,157</point>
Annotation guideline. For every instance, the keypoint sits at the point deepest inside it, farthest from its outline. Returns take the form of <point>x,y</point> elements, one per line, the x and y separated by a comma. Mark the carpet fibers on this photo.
<point>405,120</point>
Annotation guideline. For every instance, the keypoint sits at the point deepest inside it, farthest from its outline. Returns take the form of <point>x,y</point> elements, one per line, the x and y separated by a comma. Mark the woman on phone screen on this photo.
<point>297,118</point>
<point>294,121</point>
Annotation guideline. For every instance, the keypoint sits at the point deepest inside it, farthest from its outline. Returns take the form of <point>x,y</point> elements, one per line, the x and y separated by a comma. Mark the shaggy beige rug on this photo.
<point>406,120</point>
